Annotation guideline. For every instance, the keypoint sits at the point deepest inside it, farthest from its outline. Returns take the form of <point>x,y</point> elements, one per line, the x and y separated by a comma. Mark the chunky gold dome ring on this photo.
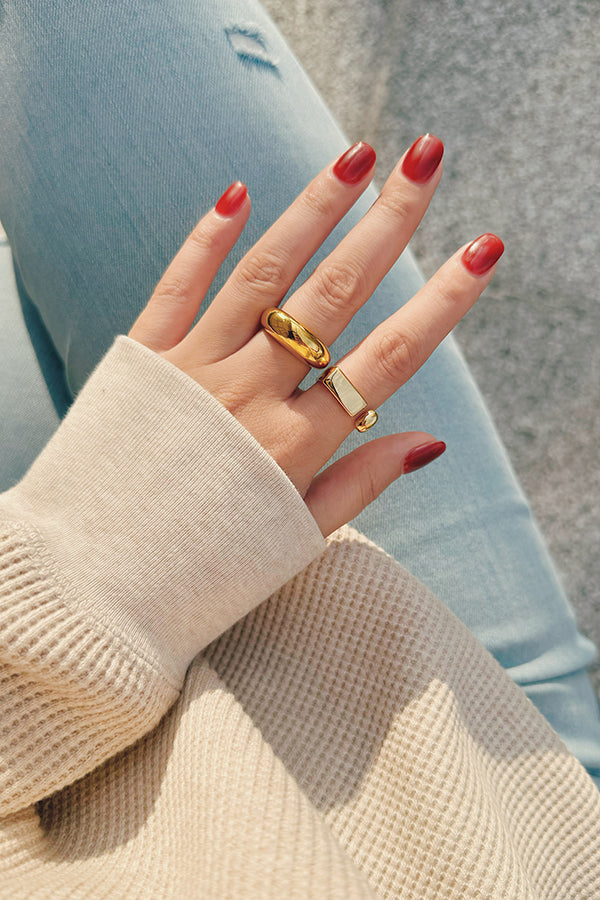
<point>295,338</point>
<point>347,396</point>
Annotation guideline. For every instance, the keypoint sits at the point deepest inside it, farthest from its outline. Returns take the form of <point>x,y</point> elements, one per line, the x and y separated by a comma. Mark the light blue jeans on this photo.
<point>122,123</point>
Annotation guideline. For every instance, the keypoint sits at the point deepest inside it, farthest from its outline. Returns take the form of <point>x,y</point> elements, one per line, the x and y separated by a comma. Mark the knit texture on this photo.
<point>148,525</point>
<point>202,509</point>
<point>348,737</point>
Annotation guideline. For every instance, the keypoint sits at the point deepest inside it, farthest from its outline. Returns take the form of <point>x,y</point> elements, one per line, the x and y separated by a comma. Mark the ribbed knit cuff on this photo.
<point>165,517</point>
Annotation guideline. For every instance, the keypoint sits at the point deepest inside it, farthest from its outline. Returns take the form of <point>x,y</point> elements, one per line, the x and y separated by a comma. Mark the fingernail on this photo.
<point>232,199</point>
<point>422,454</point>
<point>482,253</point>
<point>353,165</point>
<point>423,158</point>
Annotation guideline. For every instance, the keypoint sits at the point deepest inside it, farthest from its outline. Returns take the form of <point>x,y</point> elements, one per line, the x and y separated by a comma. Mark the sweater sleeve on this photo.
<point>150,523</point>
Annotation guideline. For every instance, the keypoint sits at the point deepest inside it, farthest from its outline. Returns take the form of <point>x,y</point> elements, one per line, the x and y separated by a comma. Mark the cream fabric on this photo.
<point>167,734</point>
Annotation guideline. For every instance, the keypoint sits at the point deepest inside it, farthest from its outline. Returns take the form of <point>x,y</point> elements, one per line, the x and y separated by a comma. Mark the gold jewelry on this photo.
<point>295,337</point>
<point>347,396</point>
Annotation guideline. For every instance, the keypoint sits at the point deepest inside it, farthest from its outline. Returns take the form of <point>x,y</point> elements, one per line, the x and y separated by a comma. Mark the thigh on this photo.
<point>126,121</point>
<point>32,394</point>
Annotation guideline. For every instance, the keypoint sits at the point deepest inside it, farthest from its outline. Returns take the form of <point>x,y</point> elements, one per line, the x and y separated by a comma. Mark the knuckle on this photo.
<point>262,269</point>
<point>397,356</point>
<point>397,204</point>
<point>205,239</point>
<point>319,201</point>
<point>450,294</point>
<point>230,397</point>
<point>340,285</point>
<point>172,288</point>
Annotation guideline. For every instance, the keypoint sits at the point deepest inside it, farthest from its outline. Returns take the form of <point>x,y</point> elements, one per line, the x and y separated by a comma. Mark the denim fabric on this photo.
<point>123,122</point>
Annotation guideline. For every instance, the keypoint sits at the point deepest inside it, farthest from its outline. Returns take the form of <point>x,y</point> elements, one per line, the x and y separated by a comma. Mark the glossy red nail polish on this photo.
<point>353,165</point>
<point>482,253</point>
<point>422,454</point>
<point>423,158</point>
<point>232,199</point>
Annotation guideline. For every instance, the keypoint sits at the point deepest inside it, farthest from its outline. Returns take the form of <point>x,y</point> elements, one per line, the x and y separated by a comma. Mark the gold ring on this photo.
<point>347,396</point>
<point>295,337</point>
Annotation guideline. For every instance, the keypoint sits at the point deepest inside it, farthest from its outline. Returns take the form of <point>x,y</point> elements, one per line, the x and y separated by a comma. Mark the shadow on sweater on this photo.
<point>356,685</point>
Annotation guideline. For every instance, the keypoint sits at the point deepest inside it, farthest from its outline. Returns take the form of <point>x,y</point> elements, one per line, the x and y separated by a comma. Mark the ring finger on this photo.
<point>396,349</point>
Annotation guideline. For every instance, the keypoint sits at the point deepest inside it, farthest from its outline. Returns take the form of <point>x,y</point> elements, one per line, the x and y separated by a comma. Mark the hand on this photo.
<point>257,379</point>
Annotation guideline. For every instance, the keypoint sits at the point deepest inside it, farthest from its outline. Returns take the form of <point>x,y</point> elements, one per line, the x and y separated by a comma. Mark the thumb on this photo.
<point>342,491</point>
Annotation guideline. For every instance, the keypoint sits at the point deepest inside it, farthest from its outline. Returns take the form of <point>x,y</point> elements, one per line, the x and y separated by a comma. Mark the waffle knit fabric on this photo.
<point>200,697</point>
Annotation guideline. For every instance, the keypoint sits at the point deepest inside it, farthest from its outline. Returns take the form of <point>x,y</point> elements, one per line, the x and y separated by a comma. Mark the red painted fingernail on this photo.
<point>422,454</point>
<point>353,165</point>
<point>482,253</point>
<point>232,199</point>
<point>423,158</point>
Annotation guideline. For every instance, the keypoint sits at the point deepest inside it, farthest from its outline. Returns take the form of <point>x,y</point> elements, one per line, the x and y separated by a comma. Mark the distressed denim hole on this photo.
<point>249,44</point>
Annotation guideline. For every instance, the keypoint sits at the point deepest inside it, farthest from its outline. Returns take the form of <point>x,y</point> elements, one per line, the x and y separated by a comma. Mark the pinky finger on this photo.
<point>170,312</point>
<point>347,486</point>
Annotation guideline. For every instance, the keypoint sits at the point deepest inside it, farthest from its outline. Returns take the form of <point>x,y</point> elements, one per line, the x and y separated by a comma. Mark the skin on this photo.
<point>256,379</point>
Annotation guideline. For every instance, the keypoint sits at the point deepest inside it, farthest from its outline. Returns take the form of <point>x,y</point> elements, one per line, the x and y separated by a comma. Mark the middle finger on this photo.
<point>267,271</point>
<point>347,277</point>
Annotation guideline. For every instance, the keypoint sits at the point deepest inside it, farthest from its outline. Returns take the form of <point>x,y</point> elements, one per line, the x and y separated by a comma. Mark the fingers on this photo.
<point>345,280</point>
<point>170,312</point>
<point>346,487</point>
<point>393,351</point>
<point>397,348</point>
<point>266,272</point>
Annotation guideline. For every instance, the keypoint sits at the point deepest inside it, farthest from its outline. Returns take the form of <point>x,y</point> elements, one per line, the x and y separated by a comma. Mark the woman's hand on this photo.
<point>257,379</point>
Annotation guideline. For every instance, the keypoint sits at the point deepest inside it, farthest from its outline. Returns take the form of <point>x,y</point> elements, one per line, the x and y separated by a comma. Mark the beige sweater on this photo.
<point>202,698</point>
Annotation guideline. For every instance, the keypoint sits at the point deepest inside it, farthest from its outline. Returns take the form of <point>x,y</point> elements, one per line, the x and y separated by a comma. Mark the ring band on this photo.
<point>347,396</point>
<point>295,337</point>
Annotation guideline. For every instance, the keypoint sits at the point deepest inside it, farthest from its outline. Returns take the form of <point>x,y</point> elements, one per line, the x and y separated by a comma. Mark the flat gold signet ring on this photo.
<point>295,338</point>
<point>349,398</point>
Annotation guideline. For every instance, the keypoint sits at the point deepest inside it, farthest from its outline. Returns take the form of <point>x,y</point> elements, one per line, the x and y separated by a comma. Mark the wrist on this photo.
<point>166,517</point>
